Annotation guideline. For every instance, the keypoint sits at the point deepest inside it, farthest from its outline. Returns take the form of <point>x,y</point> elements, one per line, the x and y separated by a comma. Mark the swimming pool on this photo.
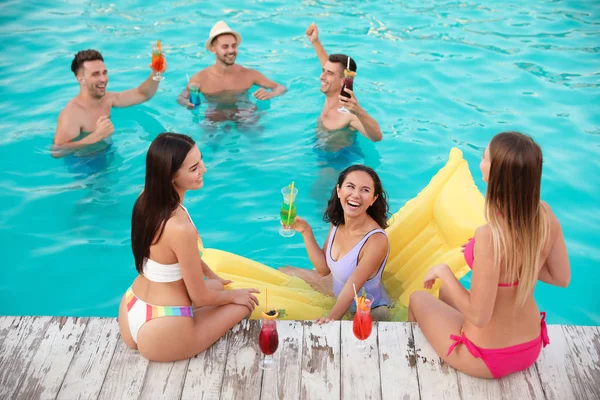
<point>435,75</point>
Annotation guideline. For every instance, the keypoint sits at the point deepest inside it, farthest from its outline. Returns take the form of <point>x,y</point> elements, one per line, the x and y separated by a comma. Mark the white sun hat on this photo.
<point>221,28</point>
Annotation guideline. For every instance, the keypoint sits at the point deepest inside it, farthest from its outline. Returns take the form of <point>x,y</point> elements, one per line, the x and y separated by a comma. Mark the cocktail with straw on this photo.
<point>158,61</point>
<point>194,92</point>
<point>348,83</point>
<point>268,340</point>
<point>362,324</point>
<point>287,213</point>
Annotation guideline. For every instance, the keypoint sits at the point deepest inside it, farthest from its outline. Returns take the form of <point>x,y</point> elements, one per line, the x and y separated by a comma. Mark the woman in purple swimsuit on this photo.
<point>356,248</point>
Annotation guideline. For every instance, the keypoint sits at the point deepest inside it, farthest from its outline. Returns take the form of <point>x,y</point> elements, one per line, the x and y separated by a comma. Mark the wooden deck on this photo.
<point>84,358</point>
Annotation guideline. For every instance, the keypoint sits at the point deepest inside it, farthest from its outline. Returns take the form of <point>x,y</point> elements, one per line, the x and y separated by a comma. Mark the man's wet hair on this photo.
<point>83,56</point>
<point>343,60</point>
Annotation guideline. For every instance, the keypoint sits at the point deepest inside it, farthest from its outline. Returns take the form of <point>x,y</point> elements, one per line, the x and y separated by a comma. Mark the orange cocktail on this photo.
<point>158,61</point>
<point>362,325</point>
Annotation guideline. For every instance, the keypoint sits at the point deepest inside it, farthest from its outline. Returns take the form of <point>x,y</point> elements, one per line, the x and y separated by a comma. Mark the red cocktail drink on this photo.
<point>268,339</point>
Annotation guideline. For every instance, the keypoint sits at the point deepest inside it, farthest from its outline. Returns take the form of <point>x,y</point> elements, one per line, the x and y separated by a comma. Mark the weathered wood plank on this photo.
<point>360,377</point>
<point>283,381</point>
<point>19,330</point>
<point>556,368</point>
<point>205,373</point>
<point>520,385</point>
<point>321,361</point>
<point>6,325</point>
<point>51,360</point>
<point>43,357</point>
<point>397,361</point>
<point>437,380</point>
<point>17,351</point>
<point>243,377</point>
<point>477,388</point>
<point>6,322</point>
<point>164,380</point>
<point>91,360</point>
<point>126,374</point>
<point>584,345</point>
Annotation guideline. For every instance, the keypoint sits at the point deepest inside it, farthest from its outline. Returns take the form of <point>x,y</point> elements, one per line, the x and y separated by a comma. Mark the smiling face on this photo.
<point>189,175</point>
<point>93,76</point>
<point>225,48</point>
<point>332,77</point>
<point>484,165</point>
<point>357,193</point>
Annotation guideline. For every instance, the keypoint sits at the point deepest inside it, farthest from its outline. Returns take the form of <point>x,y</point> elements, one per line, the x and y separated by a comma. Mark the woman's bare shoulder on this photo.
<point>179,224</point>
<point>483,233</point>
<point>551,217</point>
<point>555,228</point>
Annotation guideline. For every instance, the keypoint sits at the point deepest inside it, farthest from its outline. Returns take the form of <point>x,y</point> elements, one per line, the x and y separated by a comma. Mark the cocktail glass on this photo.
<point>348,83</point>
<point>268,340</point>
<point>195,94</point>
<point>158,61</point>
<point>362,324</point>
<point>287,214</point>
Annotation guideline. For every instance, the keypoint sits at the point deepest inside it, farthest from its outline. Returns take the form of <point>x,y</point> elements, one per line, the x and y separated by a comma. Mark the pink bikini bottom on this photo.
<point>507,360</point>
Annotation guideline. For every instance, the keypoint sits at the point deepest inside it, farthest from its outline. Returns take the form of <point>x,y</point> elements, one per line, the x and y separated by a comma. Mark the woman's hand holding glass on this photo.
<point>300,225</point>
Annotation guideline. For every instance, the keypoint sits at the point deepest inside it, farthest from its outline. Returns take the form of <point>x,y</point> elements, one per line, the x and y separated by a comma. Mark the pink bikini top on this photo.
<point>470,257</point>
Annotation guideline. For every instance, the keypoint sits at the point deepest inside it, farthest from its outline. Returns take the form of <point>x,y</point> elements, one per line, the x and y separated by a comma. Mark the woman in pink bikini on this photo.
<point>496,328</point>
<point>176,306</point>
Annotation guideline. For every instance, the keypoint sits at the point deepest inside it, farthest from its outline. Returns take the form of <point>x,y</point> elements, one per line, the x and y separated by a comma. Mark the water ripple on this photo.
<point>558,48</point>
<point>564,79</point>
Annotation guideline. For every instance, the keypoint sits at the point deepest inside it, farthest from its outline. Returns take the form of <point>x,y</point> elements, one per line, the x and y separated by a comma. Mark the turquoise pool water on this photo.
<point>435,75</point>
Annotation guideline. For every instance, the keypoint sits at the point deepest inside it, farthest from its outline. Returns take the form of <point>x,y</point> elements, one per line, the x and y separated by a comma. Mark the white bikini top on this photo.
<point>162,273</point>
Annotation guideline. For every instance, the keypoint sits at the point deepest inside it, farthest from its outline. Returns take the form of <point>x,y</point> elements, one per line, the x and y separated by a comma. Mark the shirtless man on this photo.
<point>87,116</point>
<point>225,81</point>
<point>332,79</point>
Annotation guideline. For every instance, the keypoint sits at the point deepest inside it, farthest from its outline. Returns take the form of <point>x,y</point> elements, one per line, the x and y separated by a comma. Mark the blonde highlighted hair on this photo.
<point>519,222</point>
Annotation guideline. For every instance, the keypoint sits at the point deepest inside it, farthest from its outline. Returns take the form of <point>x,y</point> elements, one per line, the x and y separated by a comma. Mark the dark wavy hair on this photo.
<point>378,211</point>
<point>155,205</point>
<point>83,56</point>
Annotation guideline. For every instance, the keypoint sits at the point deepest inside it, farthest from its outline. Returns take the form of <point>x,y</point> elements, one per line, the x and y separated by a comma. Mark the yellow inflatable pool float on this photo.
<point>426,231</point>
<point>294,298</point>
<point>431,228</point>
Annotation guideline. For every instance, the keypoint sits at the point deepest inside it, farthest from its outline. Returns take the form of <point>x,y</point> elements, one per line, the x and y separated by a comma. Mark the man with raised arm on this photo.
<point>86,118</point>
<point>332,79</point>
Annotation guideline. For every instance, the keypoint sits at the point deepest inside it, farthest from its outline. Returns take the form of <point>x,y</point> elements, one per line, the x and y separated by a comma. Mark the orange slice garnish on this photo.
<point>267,316</point>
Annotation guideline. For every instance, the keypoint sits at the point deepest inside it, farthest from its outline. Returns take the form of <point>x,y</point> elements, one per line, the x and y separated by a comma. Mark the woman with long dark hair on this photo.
<point>176,306</point>
<point>495,329</point>
<point>356,249</point>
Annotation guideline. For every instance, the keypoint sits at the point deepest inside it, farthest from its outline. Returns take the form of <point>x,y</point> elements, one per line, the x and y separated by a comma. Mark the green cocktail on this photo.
<point>287,213</point>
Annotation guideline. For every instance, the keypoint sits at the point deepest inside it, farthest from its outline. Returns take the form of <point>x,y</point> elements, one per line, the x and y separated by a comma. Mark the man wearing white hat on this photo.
<point>226,80</point>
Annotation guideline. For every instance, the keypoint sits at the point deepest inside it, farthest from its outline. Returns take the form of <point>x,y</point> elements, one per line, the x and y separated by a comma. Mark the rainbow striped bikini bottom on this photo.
<point>139,312</point>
